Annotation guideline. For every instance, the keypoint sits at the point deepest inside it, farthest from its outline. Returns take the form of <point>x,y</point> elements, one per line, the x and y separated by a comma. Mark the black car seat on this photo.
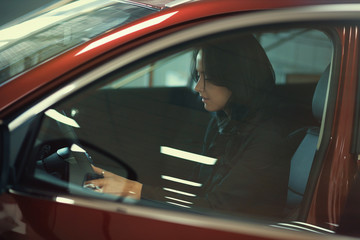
<point>302,159</point>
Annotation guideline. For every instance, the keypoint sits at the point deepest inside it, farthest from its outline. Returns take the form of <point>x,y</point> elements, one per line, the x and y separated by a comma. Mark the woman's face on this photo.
<point>214,97</point>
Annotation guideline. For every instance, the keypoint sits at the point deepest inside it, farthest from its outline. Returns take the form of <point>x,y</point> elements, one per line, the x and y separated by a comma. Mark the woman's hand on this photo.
<point>116,185</point>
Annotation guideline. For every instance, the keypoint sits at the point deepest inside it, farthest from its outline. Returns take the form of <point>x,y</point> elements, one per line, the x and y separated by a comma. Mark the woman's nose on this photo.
<point>199,87</point>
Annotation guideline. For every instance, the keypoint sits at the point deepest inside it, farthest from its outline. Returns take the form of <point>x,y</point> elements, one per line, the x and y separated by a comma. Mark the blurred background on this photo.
<point>11,10</point>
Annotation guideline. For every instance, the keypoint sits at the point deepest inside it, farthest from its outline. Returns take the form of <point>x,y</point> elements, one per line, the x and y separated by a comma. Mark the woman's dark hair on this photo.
<point>239,63</point>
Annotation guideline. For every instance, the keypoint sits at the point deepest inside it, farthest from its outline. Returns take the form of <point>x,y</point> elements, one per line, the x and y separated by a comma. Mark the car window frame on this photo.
<point>251,20</point>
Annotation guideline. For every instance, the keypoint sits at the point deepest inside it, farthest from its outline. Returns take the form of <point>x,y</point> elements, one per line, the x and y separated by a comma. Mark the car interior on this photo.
<point>125,127</point>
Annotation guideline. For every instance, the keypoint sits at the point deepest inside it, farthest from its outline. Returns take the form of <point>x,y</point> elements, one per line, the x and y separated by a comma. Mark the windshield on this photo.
<point>31,42</point>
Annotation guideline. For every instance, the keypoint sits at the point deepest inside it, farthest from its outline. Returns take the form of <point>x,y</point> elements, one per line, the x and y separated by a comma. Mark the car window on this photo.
<point>38,39</point>
<point>203,126</point>
<point>299,55</point>
<point>172,71</point>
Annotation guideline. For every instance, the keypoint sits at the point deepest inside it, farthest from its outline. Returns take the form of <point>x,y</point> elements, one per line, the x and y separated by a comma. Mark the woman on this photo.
<point>234,79</point>
<point>247,135</point>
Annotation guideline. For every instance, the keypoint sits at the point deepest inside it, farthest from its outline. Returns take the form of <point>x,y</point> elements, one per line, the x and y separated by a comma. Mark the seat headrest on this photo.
<point>319,97</point>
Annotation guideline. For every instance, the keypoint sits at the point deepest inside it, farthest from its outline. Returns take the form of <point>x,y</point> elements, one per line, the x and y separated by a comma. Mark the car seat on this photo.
<point>303,157</point>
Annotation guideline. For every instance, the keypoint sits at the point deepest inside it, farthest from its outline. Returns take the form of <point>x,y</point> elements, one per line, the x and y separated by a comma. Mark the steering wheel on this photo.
<point>71,162</point>
<point>72,166</point>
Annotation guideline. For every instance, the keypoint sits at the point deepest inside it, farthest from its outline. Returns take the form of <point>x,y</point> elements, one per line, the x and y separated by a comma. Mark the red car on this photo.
<point>104,135</point>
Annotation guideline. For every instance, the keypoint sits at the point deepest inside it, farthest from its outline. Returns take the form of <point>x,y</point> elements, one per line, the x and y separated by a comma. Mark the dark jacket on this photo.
<point>252,170</point>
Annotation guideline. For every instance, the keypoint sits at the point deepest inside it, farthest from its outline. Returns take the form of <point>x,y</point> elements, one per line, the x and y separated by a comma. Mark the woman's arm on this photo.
<point>116,185</point>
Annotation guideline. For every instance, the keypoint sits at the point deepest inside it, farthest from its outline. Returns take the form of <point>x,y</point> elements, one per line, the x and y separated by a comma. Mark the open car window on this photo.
<point>147,123</point>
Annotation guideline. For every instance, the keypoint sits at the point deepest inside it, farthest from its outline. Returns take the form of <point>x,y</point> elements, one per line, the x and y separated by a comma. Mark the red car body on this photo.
<point>46,219</point>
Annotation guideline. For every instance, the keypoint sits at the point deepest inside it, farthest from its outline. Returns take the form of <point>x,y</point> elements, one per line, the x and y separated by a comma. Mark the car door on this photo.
<point>136,115</point>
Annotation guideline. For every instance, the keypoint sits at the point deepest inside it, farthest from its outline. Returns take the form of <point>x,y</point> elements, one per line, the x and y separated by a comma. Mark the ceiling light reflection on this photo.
<point>25,28</point>
<point>187,155</point>
<point>276,226</point>
<point>64,200</point>
<point>180,205</point>
<point>126,31</point>
<point>178,200</point>
<point>179,192</point>
<point>47,19</point>
<point>299,227</point>
<point>77,148</point>
<point>52,113</point>
<point>313,226</point>
<point>3,43</point>
<point>178,180</point>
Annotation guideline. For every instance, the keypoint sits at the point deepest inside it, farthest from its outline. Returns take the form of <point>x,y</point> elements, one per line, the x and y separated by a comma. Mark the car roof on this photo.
<point>162,3</point>
<point>172,15</point>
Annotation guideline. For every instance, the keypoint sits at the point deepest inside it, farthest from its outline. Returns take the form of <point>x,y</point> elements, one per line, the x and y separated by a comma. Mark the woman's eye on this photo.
<point>197,77</point>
